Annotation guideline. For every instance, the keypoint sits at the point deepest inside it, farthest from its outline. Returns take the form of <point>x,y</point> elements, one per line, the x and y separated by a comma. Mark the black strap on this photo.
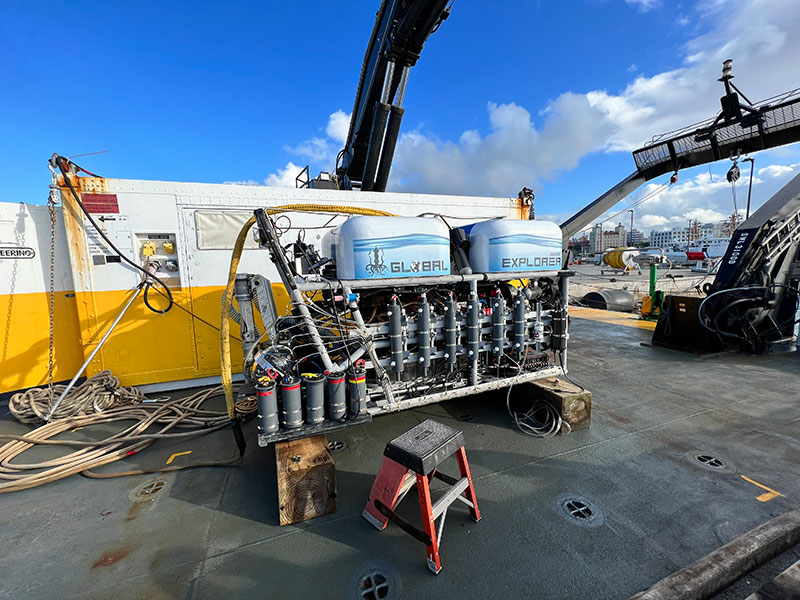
<point>403,523</point>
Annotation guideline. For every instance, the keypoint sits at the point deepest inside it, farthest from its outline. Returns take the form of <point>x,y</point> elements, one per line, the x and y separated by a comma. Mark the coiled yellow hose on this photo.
<point>227,296</point>
<point>616,259</point>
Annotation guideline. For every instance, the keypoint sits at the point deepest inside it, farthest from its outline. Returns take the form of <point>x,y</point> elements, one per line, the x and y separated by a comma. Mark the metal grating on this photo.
<point>710,141</point>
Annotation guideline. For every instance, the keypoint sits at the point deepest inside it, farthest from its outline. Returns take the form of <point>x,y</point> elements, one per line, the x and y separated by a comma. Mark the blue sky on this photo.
<point>221,92</point>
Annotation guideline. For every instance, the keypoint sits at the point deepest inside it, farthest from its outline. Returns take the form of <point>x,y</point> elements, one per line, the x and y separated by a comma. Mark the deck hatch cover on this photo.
<point>336,445</point>
<point>580,511</point>
<point>375,586</point>
<point>150,489</point>
<point>710,461</point>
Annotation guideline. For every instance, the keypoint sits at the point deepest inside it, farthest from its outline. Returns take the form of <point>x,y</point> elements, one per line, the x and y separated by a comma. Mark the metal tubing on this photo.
<point>564,283</point>
<point>351,358</point>
<point>424,334</point>
<point>380,373</point>
<point>473,331</point>
<point>362,284</point>
<point>520,323</point>
<point>498,325</point>
<point>244,300</point>
<point>450,333</point>
<point>396,335</point>
<point>91,356</point>
<point>300,302</point>
<point>538,327</point>
<point>389,145</point>
<point>266,227</point>
<point>401,88</point>
<point>375,145</point>
<point>467,390</point>
<point>387,83</point>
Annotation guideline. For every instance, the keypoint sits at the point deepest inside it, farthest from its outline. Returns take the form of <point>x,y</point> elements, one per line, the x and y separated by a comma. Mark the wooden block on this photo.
<point>573,404</point>
<point>306,479</point>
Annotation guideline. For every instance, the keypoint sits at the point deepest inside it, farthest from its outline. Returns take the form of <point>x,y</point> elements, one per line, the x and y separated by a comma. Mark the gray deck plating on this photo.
<point>213,533</point>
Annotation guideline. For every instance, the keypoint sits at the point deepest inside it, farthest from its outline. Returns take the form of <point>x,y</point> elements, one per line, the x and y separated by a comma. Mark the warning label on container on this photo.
<point>116,228</point>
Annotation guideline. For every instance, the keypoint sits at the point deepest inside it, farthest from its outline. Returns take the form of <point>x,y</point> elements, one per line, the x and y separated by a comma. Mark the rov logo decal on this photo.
<point>376,266</point>
<point>417,266</point>
<point>16,252</point>
<point>526,262</point>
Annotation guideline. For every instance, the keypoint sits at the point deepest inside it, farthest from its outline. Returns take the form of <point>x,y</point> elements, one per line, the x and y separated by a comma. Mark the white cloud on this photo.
<point>522,146</point>
<point>517,151</point>
<point>322,151</point>
<point>243,182</point>
<point>700,197</point>
<point>513,154</point>
<point>284,177</point>
<point>777,170</point>
<point>316,149</point>
<point>338,126</point>
<point>652,221</point>
<point>645,5</point>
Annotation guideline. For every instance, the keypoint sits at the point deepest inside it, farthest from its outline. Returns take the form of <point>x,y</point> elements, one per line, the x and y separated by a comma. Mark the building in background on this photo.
<point>600,240</point>
<point>635,237</point>
<point>713,230</point>
<point>681,236</point>
<point>580,245</point>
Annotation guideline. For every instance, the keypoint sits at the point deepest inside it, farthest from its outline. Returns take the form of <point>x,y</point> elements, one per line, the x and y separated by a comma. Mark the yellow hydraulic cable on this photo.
<point>227,296</point>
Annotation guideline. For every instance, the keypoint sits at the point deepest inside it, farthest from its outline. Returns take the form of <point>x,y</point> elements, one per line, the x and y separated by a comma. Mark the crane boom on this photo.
<point>401,29</point>
<point>739,128</point>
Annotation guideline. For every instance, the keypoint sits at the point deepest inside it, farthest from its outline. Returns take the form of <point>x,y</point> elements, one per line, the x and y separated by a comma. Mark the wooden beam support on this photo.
<point>306,479</point>
<point>573,403</point>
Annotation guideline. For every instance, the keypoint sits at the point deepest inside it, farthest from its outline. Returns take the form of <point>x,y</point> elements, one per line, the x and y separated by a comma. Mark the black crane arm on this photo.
<point>738,129</point>
<point>401,29</point>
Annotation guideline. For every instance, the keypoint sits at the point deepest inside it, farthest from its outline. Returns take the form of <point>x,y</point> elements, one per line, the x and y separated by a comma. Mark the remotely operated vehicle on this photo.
<point>390,312</point>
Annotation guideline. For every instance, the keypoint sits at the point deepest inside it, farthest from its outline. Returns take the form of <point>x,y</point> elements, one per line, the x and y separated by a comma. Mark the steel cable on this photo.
<point>98,393</point>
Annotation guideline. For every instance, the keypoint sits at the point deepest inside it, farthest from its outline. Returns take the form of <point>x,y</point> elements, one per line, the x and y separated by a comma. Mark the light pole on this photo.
<point>630,234</point>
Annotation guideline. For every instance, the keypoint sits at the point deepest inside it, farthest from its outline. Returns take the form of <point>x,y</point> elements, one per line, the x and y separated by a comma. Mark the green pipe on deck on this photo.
<point>653,277</point>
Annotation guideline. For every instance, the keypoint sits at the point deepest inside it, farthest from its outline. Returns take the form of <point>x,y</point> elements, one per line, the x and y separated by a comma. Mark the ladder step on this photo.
<point>450,496</point>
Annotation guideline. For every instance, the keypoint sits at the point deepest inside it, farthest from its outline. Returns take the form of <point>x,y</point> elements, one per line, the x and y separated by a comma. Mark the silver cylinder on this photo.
<point>498,304</point>
<point>292,411</point>
<point>267,397</point>
<point>424,333</point>
<point>337,396</point>
<point>473,332</point>
<point>396,335</point>
<point>450,332</point>
<point>315,397</point>
<point>520,324</point>
<point>356,392</point>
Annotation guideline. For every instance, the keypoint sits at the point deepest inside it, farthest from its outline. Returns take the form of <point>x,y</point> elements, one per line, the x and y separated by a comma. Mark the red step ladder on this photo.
<point>410,459</point>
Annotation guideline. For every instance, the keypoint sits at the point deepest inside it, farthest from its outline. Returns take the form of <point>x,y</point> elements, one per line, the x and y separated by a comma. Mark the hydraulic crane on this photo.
<point>401,29</point>
<point>753,298</point>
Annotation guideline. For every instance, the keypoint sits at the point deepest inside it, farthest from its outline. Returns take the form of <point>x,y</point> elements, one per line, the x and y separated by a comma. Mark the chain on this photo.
<point>51,205</point>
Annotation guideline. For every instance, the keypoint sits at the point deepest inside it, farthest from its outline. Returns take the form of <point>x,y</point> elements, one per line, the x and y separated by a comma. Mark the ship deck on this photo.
<point>214,533</point>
